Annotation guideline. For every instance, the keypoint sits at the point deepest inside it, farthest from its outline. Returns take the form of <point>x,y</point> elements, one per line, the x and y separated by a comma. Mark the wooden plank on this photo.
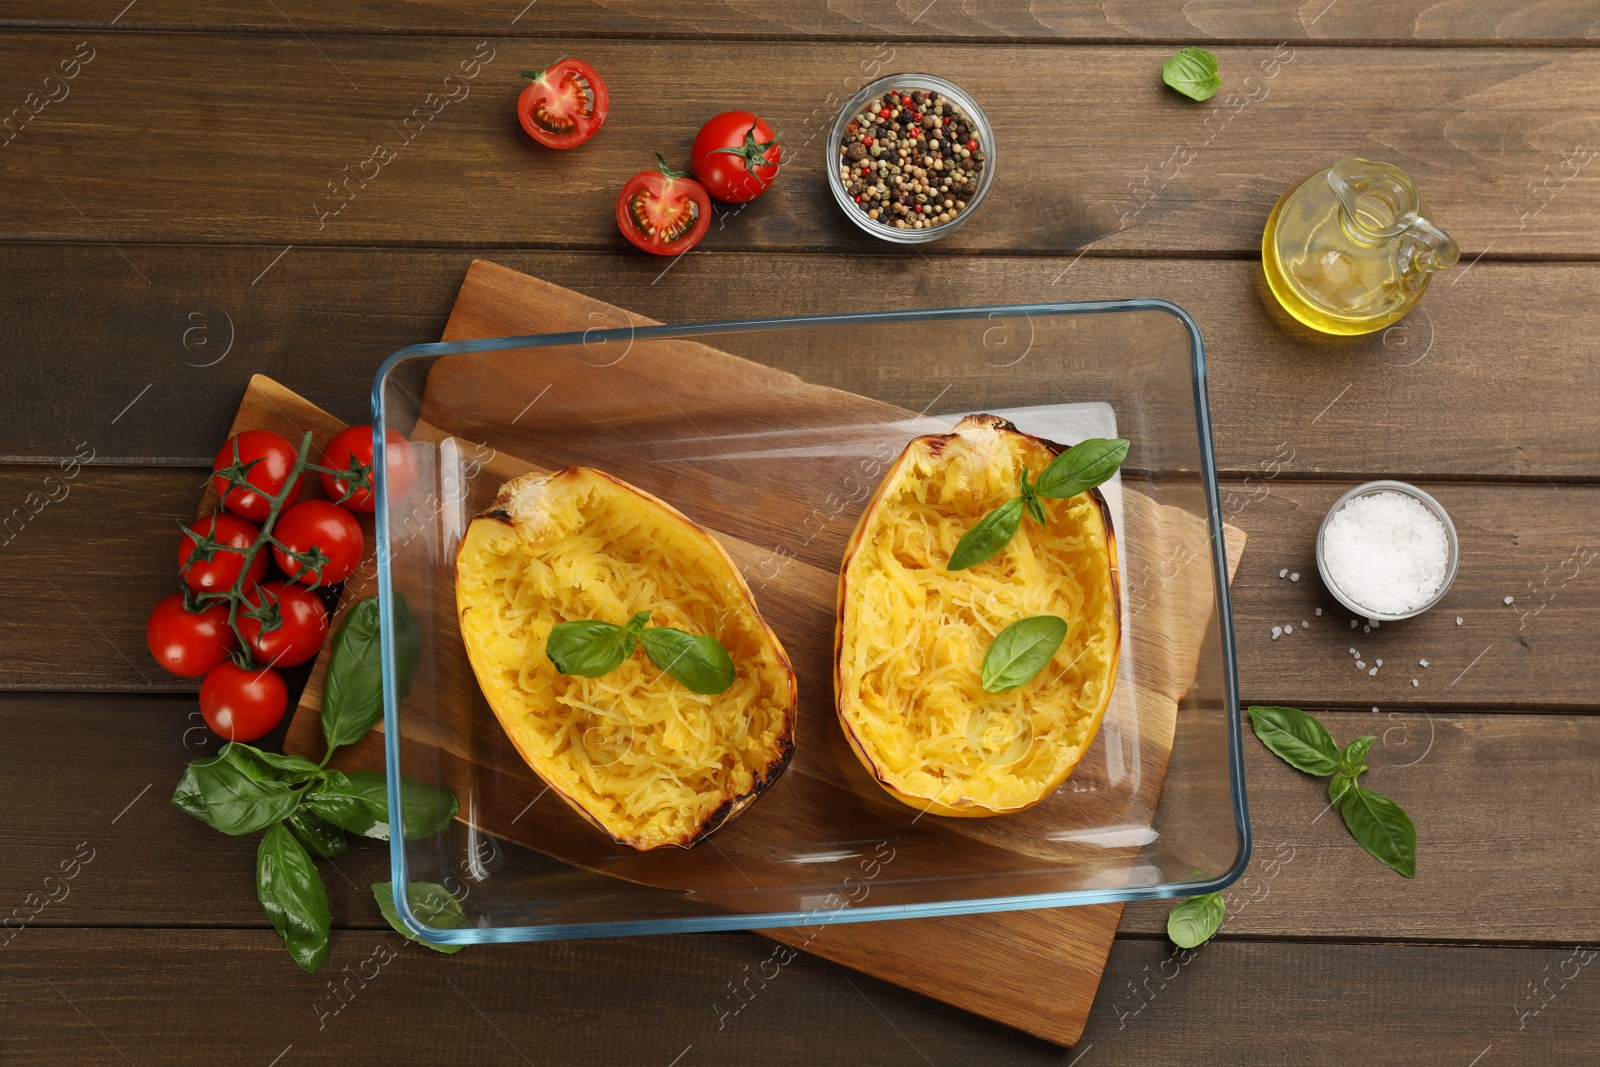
<point>95,996</point>
<point>1532,542</point>
<point>1487,22</point>
<point>156,865</point>
<point>1486,132</point>
<point>321,320</point>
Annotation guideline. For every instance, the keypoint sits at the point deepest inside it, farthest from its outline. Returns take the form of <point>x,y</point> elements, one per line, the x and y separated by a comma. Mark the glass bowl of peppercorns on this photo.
<point>912,158</point>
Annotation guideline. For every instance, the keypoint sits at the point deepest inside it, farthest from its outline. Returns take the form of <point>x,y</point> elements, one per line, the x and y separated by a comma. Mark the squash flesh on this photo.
<point>636,752</point>
<point>912,635</point>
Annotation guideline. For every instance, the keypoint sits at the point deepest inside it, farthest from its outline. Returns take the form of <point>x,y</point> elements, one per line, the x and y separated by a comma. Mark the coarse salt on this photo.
<point>1319,611</point>
<point>1360,665</point>
<point>1295,577</point>
<point>1373,673</point>
<point>1459,620</point>
<point>1288,628</point>
<point>1422,663</point>
<point>1283,573</point>
<point>1387,552</point>
<point>1413,683</point>
<point>1379,662</point>
<point>1511,600</point>
<point>1304,624</point>
<point>1277,632</point>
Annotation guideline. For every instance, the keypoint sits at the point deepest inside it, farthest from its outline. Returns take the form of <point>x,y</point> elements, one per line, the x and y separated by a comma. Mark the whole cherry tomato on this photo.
<point>269,459</point>
<point>221,570</point>
<point>284,624</point>
<point>241,705</point>
<point>352,447</point>
<point>329,534</point>
<point>564,105</point>
<point>736,156</point>
<point>663,211</point>
<point>188,643</point>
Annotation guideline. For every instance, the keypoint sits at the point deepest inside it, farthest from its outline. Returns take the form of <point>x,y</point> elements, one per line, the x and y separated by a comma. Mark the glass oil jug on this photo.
<point>1348,251</point>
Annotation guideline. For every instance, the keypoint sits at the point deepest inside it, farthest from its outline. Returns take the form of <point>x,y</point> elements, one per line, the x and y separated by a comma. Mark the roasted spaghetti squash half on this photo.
<point>635,752</point>
<point>912,634</point>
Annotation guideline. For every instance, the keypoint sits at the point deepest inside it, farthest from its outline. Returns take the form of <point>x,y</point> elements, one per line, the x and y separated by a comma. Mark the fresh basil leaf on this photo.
<point>1300,740</point>
<point>1353,760</point>
<point>322,839</point>
<point>1035,508</point>
<point>1021,651</point>
<point>589,647</point>
<point>291,892</point>
<point>425,809</point>
<point>1192,923</point>
<point>352,691</point>
<point>697,660</point>
<point>352,802</point>
<point>1338,786</point>
<point>1381,828</point>
<point>221,795</point>
<point>1194,73</point>
<point>268,766</point>
<point>988,536</point>
<point>431,903</point>
<point>1082,467</point>
<point>359,802</point>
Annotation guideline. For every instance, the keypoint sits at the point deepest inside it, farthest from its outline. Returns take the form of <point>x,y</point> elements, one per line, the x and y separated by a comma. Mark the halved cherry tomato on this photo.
<point>285,624</point>
<point>188,643</point>
<point>564,105</point>
<point>735,156</point>
<point>264,460</point>
<point>218,572</point>
<point>663,211</point>
<point>352,447</point>
<point>328,534</point>
<point>241,705</point>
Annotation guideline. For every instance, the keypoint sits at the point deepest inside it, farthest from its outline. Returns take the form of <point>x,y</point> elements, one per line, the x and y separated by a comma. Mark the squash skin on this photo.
<point>971,427</point>
<point>520,505</point>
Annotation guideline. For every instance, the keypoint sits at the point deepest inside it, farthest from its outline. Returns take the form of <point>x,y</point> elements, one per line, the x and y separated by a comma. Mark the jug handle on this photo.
<point>1439,251</point>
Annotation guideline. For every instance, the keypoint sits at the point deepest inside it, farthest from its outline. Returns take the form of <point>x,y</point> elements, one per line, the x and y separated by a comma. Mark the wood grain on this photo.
<point>1484,131</point>
<point>1517,540</point>
<point>647,1000</point>
<point>1486,22</point>
<point>1525,874</point>
<point>323,318</point>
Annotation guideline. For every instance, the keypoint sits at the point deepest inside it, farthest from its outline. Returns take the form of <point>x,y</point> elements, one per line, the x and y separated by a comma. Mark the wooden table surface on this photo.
<point>169,225</point>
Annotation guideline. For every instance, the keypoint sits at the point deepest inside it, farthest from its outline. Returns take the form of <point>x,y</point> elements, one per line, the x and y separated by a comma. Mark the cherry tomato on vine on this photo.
<point>269,458</point>
<point>354,446</point>
<point>563,105</point>
<point>295,626</point>
<point>188,643</point>
<point>218,573</point>
<point>241,705</point>
<point>736,156</point>
<point>663,211</point>
<point>327,532</point>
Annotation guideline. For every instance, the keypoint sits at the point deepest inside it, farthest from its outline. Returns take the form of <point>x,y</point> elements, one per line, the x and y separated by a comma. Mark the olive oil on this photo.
<point>1347,251</point>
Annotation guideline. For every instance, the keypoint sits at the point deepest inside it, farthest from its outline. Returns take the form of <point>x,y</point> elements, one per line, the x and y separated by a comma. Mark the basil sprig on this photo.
<point>1021,651</point>
<point>308,809</point>
<point>432,903</point>
<point>1192,923</point>
<point>592,648</point>
<point>1077,470</point>
<point>1194,73</point>
<point>1377,823</point>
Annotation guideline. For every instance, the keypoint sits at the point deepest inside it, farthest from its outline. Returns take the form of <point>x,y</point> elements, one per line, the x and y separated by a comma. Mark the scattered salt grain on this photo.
<point>1353,652</point>
<point>1366,629</point>
<point>1386,551</point>
<point>1283,573</point>
<point>1422,663</point>
<point>1277,632</point>
<point>1380,662</point>
<point>1288,628</point>
<point>1295,577</point>
<point>1373,673</point>
<point>1374,623</point>
<point>1374,709</point>
<point>1459,620</point>
<point>1304,624</point>
<point>1319,611</point>
<point>1511,600</point>
<point>1361,665</point>
<point>1413,683</point>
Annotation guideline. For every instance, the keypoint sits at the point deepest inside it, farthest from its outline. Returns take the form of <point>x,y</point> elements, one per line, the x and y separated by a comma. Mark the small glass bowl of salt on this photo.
<point>1387,551</point>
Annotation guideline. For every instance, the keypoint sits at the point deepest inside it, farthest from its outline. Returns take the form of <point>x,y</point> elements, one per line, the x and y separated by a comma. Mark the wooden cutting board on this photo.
<point>1034,970</point>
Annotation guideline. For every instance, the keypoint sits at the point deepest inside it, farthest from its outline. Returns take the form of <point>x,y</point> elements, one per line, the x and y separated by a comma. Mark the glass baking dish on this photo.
<point>777,452</point>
